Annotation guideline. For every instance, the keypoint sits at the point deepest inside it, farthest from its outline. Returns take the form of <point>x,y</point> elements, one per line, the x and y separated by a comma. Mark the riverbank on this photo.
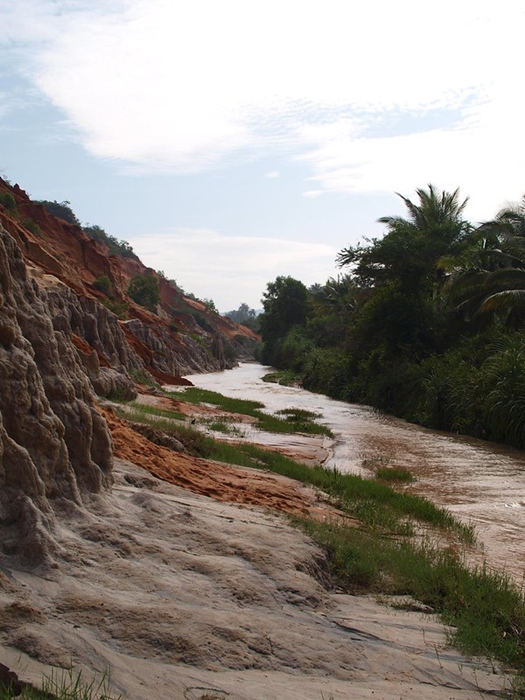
<point>187,580</point>
<point>183,596</point>
<point>481,483</point>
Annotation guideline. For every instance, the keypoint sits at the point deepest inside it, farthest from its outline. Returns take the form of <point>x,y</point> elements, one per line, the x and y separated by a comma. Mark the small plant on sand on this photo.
<point>63,686</point>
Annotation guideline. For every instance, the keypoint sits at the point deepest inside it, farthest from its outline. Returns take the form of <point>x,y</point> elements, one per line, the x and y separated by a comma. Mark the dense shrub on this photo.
<point>104,285</point>
<point>145,291</point>
<point>8,201</point>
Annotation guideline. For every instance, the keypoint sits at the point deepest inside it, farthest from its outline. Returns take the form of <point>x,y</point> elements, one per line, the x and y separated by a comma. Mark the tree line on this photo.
<point>427,322</point>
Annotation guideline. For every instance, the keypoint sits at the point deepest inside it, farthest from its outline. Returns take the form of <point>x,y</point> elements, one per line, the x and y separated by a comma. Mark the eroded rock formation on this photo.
<point>54,444</point>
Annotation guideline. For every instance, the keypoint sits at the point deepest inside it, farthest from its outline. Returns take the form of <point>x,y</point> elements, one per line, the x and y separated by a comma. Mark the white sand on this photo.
<point>181,596</point>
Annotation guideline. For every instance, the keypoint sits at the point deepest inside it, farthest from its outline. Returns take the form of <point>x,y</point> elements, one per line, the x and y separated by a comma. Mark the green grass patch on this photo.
<point>63,686</point>
<point>485,607</point>
<point>378,506</point>
<point>398,474</point>
<point>221,425</point>
<point>287,423</point>
<point>143,409</point>
<point>193,394</point>
<point>284,378</point>
<point>381,557</point>
<point>194,441</point>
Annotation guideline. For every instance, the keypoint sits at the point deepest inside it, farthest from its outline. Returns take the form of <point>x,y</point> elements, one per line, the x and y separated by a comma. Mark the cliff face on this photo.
<point>113,335</point>
<point>60,345</point>
<point>54,445</point>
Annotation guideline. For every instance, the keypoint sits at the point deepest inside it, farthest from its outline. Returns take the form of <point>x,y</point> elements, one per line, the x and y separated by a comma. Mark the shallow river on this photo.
<point>481,482</point>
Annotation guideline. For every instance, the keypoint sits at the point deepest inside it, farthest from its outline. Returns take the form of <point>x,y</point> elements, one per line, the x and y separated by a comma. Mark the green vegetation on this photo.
<point>140,409</point>
<point>292,423</point>
<point>104,285</point>
<point>8,201</point>
<point>144,289</point>
<point>142,377</point>
<point>394,474</point>
<point>116,247</point>
<point>428,323</point>
<point>119,308</point>
<point>60,209</point>
<point>30,225</point>
<point>384,553</point>
<point>64,211</point>
<point>283,377</point>
<point>245,316</point>
<point>63,686</point>
<point>487,610</point>
<point>221,425</point>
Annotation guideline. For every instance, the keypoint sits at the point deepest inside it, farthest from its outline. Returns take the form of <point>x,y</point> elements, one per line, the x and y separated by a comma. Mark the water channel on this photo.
<point>482,483</point>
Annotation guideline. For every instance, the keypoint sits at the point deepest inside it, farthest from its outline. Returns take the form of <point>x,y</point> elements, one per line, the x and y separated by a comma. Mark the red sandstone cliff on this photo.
<point>181,337</point>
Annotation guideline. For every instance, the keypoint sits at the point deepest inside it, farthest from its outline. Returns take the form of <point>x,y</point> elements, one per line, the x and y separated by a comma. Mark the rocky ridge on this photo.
<point>181,337</point>
<point>60,348</point>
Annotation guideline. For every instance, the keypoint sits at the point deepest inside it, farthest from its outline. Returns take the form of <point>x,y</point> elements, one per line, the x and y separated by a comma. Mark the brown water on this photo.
<point>482,483</point>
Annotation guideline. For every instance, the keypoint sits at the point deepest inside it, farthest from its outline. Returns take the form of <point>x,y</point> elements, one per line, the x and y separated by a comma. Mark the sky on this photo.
<point>231,142</point>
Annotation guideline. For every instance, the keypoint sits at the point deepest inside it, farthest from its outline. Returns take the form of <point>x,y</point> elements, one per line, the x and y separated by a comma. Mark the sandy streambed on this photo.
<point>183,596</point>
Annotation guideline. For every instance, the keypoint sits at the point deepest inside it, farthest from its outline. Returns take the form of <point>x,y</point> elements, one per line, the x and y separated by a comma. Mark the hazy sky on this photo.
<point>233,141</point>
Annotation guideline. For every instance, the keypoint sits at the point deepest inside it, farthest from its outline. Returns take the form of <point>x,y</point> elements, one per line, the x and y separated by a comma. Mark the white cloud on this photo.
<point>232,269</point>
<point>273,175</point>
<point>170,85</point>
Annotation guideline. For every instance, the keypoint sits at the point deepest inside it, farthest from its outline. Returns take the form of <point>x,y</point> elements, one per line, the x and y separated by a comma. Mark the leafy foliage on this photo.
<point>428,322</point>
<point>116,247</point>
<point>144,289</point>
<point>104,285</point>
<point>285,307</point>
<point>60,209</point>
<point>8,201</point>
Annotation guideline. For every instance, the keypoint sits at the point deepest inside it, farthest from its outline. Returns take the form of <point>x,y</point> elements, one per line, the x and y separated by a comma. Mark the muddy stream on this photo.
<point>482,483</point>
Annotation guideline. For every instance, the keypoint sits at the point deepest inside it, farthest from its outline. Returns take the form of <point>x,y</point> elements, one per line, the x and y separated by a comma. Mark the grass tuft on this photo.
<point>486,609</point>
<point>64,686</point>
<point>293,420</point>
<point>399,474</point>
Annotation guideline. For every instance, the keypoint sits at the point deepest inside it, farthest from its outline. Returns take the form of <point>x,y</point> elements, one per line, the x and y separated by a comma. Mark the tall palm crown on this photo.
<point>412,246</point>
<point>491,276</point>
<point>435,208</point>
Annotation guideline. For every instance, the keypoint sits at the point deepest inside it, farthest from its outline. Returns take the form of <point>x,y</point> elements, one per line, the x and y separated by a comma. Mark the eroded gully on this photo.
<point>482,483</point>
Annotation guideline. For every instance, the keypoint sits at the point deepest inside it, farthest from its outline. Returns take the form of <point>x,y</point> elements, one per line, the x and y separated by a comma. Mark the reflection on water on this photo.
<point>482,483</point>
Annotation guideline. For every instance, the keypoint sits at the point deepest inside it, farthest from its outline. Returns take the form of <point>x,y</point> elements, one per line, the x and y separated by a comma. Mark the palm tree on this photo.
<point>435,208</point>
<point>489,275</point>
<point>412,246</point>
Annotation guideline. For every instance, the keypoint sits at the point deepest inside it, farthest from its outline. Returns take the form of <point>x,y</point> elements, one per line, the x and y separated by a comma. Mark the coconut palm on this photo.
<point>489,274</point>
<point>412,246</point>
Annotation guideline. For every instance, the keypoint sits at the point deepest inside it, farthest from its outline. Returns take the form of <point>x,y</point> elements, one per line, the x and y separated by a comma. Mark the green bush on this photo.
<point>31,225</point>
<point>104,285</point>
<point>145,291</point>
<point>8,201</point>
<point>119,308</point>
<point>60,209</point>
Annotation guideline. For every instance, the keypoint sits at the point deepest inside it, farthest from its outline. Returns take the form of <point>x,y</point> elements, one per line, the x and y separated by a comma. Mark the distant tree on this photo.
<point>8,201</point>
<point>145,291</point>
<point>176,286</point>
<point>285,305</point>
<point>61,209</point>
<point>210,305</point>
<point>116,247</point>
<point>242,314</point>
